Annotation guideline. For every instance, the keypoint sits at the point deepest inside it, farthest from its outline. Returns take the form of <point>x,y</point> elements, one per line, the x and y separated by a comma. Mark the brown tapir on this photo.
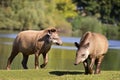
<point>93,47</point>
<point>34,42</point>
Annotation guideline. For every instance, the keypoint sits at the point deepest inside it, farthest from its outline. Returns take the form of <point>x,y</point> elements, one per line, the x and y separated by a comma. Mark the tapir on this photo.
<point>90,51</point>
<point>34,42</point>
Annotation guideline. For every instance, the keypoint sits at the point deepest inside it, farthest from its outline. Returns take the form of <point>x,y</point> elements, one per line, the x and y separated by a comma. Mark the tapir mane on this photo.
<point>85,38</point>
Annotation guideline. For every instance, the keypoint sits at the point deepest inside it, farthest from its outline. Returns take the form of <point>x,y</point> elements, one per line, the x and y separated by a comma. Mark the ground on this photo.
<point>49,74</point>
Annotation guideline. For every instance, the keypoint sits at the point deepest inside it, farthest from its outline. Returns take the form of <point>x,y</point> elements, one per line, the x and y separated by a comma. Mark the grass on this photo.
<point>49,74</point>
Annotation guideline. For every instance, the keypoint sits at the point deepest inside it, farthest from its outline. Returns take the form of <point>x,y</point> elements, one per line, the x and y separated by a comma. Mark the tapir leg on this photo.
<point>98,64</point>
<point>24,61</point>
<point>45,58</point>
<point>91,65</point>
<point>10,59</point>
<point>85,63</point>
<point>36,60</point>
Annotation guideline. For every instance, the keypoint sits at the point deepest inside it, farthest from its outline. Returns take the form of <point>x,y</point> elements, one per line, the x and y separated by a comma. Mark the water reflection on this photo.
<point>60,57</point>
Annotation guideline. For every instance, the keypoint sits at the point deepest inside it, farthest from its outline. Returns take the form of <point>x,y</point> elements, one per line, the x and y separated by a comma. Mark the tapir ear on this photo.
<point>76,44</point>
<point>86,45</point>
<point>50,31</point>
<point>53,30</point>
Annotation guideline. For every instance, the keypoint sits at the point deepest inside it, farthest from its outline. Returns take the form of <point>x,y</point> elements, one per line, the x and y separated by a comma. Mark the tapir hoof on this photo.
<point>91,71</point>
<point>8,68</point>
<point>42,66</point>
<point>75,64</point>
<point>36,67</point>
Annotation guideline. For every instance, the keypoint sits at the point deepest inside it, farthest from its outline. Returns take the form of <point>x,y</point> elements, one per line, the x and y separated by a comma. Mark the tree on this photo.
<point>35,14</point>
<point>66,7</point>
<point>108,9</point>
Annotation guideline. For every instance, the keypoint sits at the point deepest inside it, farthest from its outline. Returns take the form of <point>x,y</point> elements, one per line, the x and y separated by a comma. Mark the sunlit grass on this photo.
<point>50,74</point>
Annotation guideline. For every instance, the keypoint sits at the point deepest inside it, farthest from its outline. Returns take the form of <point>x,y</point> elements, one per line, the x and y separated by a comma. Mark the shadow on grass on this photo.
<point>61,73</point>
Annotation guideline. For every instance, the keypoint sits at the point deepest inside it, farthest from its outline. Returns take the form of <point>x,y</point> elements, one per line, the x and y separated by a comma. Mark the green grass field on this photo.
<point>49,74</point>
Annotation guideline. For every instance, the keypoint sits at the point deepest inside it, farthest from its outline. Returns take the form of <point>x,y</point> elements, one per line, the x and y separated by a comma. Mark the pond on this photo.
<point>60,57</point>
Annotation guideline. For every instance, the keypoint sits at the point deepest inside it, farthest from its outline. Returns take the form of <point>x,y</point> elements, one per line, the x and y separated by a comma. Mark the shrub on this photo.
<point>62,24</point>
<point>112,32</point>
<point>87,24</point>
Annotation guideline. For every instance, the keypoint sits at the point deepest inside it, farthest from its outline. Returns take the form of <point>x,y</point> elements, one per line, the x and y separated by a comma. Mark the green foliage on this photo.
<point>7,19</point>
<point>108,9</point>
<point>91,24</point>
<point>29,14</point>
<point>112,32</point>
<point>87,24</point>
<point>76,23</point>
<point>40,14</point>
<point>64,26</point>
<point>66,7</point>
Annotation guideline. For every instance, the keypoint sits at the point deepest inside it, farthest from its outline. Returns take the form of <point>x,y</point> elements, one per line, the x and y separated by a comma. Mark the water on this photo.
<point>60,57</point>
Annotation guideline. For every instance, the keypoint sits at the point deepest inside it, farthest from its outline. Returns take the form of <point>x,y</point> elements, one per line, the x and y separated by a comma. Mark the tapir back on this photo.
<point>98,44</point>
<point>26,41</point>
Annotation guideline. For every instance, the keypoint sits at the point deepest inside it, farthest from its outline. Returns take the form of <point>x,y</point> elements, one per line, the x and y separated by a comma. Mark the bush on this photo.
<point>112,32</point>
<point>85,24</point>
<point>62,24</point>
<point>76,23</point>
<point>91,24</point>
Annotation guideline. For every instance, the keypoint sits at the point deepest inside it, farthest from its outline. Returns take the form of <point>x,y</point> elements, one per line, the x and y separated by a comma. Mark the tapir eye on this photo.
<point>83,55</point>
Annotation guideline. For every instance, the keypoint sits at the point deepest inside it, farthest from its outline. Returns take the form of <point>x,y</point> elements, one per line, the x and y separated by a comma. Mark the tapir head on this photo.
<point>82,53</point>
<point>53,36</point>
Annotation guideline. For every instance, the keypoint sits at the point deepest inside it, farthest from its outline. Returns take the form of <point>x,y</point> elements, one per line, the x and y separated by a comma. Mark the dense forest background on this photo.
<point>71,17</point>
